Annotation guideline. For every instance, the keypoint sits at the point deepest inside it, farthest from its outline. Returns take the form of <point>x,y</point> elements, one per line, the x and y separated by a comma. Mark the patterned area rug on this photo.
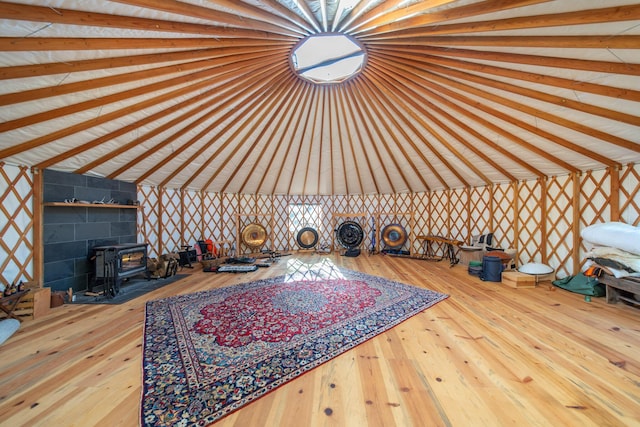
<point>209,353</point>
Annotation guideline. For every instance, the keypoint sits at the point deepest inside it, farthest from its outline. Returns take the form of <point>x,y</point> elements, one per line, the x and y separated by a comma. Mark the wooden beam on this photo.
<point>614,196</point>
<point>185,57</point>
<point>210,63</point>
<point>22,12</point>
<point>27,44</point>
<point>221,92</point>
<point>245,16</point>
<point>439,56</point>
<point>418,26</point>
<point>619,41</point>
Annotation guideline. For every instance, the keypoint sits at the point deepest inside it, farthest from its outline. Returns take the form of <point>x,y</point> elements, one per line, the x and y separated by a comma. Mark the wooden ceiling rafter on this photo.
<point>381,85</point>
<point>394,11</point>
<point>308,14</point>
<point>326,112</point>
<point>279,9</point>
<point>372,106</point>
<point>306,166</point>
<point>429,95</point>
<point>123,78</point>
<point>446,83</point>
<point>233,108</point>
<point>271,92</point>
<point>223,75</point>
<point>435,19</point>
<point>373,142</point>
<point>343,125</point>
<point>44,69</point>
<point>619,41</point>
<point>372,92</point>
<point>221,93</point>
<point>298,144</point>
<point>357,11</point>
<point>23,12</point>
<point>401,96</point>
<point>471,147</point>
<point>339,131</point>
<point>420,25</point>
<point>352,141</point>
<point>559,101</point>
<point>329,123</point>
<point>543,61</point>
<point>108,99</point>
<point>279,128</point>
<point>28,44</point>
<point>552,118</point>
<point>247,16</point>
<point>269,114</point>
<point>528,76</point>
<point>417,108</point>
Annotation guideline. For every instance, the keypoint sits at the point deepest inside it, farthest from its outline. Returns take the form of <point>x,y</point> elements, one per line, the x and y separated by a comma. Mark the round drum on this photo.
<point>254,235</point>
<point>394,236</point>
<point>350,234</point>
<point>307,238</point>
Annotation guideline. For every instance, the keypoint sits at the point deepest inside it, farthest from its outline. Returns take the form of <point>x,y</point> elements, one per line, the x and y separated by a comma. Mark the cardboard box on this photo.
<point>515,279</point>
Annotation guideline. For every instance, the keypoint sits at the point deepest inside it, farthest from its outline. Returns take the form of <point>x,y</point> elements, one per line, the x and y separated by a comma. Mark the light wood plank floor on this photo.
<point>489,355</point>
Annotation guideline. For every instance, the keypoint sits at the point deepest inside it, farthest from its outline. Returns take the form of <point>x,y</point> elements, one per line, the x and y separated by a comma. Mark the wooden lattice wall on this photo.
<point>541,219</point>
<point>16,224</point>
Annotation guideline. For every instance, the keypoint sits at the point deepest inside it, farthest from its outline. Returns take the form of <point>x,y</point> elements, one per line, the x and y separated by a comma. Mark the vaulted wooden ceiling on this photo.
<point>200,94</point>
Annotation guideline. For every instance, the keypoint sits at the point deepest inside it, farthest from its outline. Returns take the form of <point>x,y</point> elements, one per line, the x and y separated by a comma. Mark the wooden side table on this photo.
<point>8,304</point>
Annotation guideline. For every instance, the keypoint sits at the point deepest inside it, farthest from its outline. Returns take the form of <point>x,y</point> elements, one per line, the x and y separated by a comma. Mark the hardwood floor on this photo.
<point>489,355</point>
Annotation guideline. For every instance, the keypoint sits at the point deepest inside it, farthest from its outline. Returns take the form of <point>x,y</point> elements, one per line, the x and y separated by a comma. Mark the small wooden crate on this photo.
<point>515,279</point>
<point>33,305</point>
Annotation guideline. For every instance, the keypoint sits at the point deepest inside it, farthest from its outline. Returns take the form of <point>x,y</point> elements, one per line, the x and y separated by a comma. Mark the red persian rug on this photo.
<point>209,353</point>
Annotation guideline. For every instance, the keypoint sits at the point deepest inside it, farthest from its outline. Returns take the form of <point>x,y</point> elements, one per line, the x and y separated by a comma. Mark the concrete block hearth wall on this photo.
<point>70,232</point>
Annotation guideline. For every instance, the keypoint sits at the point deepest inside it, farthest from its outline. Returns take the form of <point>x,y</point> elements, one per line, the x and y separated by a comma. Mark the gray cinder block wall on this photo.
<point>71,232</point>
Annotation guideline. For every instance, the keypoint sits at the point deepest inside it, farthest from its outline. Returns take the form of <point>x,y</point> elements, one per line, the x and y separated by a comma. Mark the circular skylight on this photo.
<point>328,58</point>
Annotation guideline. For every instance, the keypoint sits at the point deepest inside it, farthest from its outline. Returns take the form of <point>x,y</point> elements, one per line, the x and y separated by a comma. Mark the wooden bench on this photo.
<point>615,285</point>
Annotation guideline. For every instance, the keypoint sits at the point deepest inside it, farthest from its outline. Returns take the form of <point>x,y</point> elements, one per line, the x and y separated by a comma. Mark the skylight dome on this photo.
<point>328,58</point>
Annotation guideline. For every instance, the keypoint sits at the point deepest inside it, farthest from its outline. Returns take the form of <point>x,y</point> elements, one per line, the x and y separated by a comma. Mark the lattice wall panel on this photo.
<point>171,219</point>
<point>229,208</point>
<point>192,223</point>
<point>295,220</point>
<point>422,218</point>
<point>595,190</point>
<point>404,202</point>
<point>212,218</point>
<point>458,214</point>
<point>247,204</point>
<point>530,220</point>
<point>148,221</point>
<point>280,222</point>
<point>439,213</point>
<point>325,232</point>
<point>502,216</point>
<point>630,195</point>
<point>16,224</point>
<point>263,204</point>
<point>559,220</point>
<point>479,212</point>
